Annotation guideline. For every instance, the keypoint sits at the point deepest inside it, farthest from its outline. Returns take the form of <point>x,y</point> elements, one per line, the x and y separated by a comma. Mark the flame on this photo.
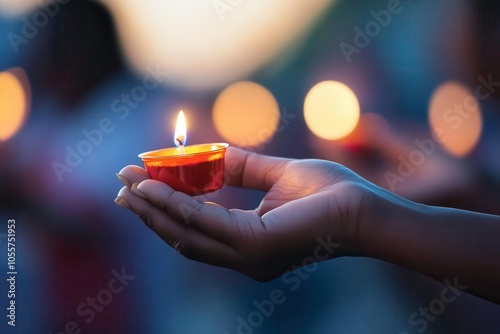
<point>180,136</point>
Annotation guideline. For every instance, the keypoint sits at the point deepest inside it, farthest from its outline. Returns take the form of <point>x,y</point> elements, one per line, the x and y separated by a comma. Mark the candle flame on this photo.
<point>180,135</point>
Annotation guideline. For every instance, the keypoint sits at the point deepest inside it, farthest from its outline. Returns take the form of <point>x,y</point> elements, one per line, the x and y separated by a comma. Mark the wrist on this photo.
<point>392,220</point>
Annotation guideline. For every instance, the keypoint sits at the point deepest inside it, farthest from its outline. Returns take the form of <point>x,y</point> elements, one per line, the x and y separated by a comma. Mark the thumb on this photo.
<point>251,170</point>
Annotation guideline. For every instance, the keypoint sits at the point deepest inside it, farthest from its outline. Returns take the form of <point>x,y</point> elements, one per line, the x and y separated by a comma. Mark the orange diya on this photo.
<point>194,169</point>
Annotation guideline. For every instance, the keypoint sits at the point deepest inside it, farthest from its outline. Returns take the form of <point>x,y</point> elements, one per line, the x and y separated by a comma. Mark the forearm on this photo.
<point>442,243</point>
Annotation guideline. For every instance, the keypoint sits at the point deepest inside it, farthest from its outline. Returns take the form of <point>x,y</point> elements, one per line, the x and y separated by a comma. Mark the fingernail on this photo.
<point>122,202</point>
<point>137,191</point>
<point>123,179</point>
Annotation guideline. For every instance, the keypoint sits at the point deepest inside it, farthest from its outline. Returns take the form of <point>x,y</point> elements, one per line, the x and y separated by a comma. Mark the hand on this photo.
<point>308,204</point>
<point>310,207</point>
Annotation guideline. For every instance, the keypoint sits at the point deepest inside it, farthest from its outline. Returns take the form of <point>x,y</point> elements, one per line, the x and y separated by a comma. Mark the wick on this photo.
<point>182,151</point>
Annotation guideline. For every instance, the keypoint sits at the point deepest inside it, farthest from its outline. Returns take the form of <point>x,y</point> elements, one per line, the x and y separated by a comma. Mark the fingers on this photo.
<point>188,242</point>
<point>252,170</point>
<point>138,205</point>
<point>132,174</point>
<point>208,218</point>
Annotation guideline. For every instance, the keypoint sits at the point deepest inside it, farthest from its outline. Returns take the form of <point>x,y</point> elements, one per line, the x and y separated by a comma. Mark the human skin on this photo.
<point>310,199</point>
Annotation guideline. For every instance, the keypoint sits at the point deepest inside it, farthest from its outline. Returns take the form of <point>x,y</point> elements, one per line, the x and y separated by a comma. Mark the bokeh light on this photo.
<point>246,114</point>
<point>331,110</point>
<point>209,44</point>
<point>14,101</point>
<point>455,118</point>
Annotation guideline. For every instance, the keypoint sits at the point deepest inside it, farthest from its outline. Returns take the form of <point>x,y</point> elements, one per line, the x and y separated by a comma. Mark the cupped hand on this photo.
<point>309,209</point>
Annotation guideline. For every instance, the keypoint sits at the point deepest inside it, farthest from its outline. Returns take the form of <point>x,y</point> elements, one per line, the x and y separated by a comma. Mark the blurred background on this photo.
<point>405,93</point>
